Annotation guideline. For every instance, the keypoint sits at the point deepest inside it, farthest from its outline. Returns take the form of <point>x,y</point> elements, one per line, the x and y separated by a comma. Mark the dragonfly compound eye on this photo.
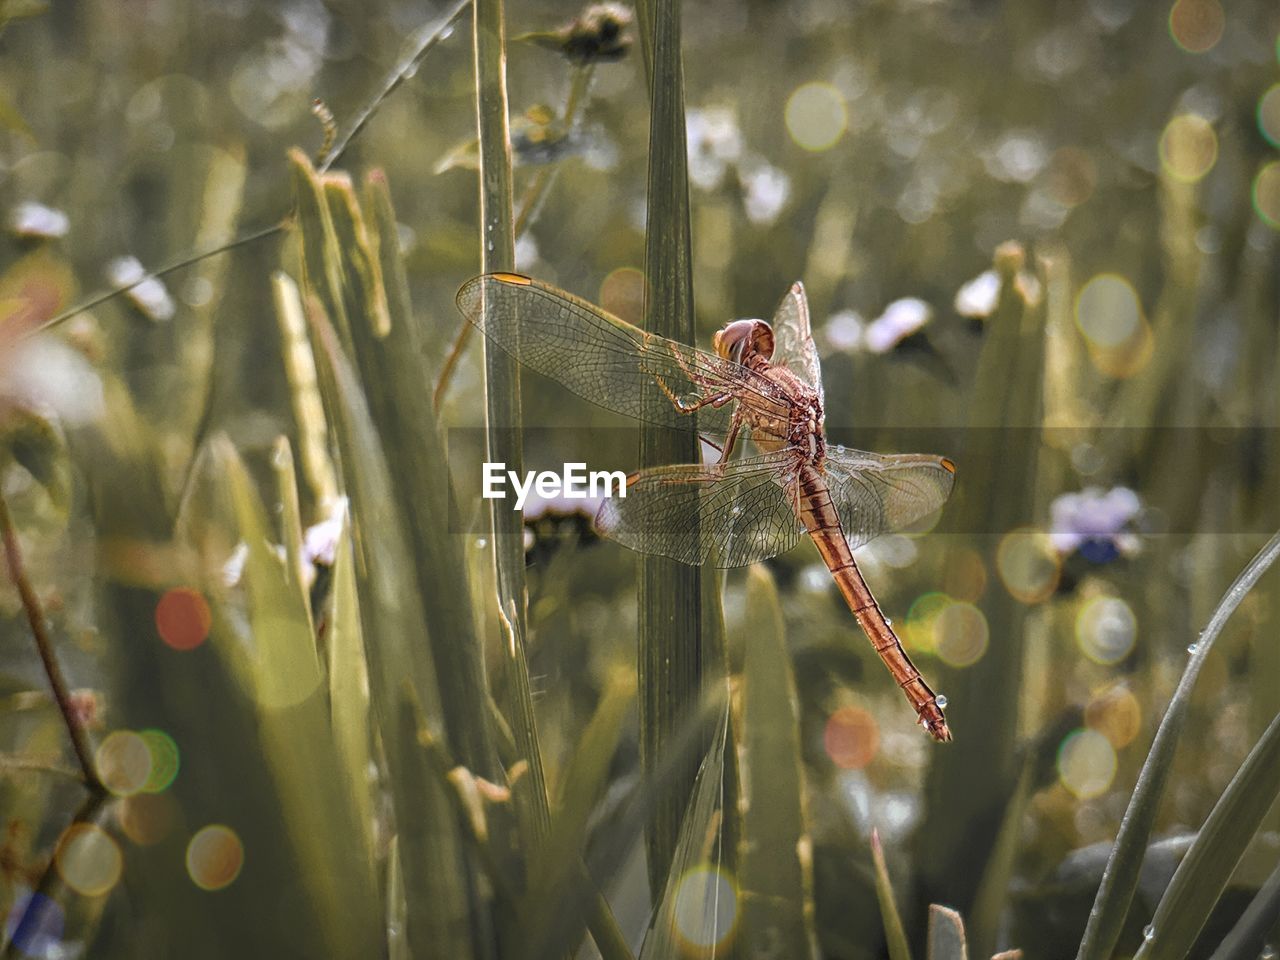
<point>743,338</point>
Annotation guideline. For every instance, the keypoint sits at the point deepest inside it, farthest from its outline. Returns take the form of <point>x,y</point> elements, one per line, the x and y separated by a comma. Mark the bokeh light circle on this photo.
<point>851,737</point>
<point>1106,629</point>
<point>960,634</point>
<point>706,907</point>
<point>165,760</point>
<point>214,857</point>
<point>917,631</point>
<point>1266,194</point>
<point>816,116</point>
<point>1269,115</point>
<point>622,294</point>
<point>1086,764</point>
<point>1188,147</point>
<point>1107,311</point>
<point>124,762</point>
<point>146,818</point>
<point>1196,25</point>
<point>88,859</point>
<point>1028,565</point>
<point>1116,714</point>
<point>966,575</point>
<point>183,618</point>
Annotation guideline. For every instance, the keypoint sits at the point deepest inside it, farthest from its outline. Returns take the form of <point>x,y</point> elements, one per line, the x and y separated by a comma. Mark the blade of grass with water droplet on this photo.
<point>1120,878</point>
<point>1204,871</point>
<point>895,935</point>
<point>946,934</point>
<point>775,858</point>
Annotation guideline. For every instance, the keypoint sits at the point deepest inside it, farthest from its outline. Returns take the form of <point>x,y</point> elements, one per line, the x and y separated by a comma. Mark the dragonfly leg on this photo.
<point>684,406</point>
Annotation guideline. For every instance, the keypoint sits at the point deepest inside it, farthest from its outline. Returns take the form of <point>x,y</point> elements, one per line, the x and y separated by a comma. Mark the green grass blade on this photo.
<point>669,594</point>
<point>946,935</point>
<point>775,859</point>
<point>440,895</point>
<point>554,910</point>
<point>1258,922</point>
<point>503,415</point>
<point>286,680</point>
<point>894,934</point>
<point>1120,878</point>
<point>1204,871</point>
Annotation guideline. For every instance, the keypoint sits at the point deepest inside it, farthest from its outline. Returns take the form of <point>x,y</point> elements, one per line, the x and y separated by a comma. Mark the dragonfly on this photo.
<point>763,384</point>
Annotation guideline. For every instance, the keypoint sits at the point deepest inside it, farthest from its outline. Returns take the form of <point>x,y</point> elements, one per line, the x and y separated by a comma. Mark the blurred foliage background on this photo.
<point>1041,239</point>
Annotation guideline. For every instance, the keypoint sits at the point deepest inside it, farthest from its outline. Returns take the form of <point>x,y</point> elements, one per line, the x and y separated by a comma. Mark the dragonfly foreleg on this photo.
<point>690,406</point>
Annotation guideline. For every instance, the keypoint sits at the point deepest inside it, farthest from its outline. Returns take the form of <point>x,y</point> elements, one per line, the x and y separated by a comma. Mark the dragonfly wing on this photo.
<point>602,358</point>
<point>732,514</point>
<point>793,346</point>
<point>875,494</point>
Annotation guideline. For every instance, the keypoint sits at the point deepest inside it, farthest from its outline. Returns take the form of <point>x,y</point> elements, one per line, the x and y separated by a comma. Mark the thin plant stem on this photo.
<point>44,647</point>
<point>423,42</point>
<point>529,205</point>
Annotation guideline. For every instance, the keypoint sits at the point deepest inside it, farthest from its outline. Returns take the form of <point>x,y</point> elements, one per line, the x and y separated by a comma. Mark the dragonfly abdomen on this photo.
<point>821,519</point>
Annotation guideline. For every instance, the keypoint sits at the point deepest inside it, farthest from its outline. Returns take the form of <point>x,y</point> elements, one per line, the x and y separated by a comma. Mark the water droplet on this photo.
<point>1193,648</point>
<point>491,246</point>
<point>941,701</point>
<point>1148,932</point>
<point>481,542</point>
<point>888,622</point>
<point>1268,953</point>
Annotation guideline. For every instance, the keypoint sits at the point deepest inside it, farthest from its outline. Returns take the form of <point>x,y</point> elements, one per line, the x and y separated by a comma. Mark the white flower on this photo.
<point>148,294</point>
<point>978,297</point>
<point>29,219</point>
<point>900,320</point>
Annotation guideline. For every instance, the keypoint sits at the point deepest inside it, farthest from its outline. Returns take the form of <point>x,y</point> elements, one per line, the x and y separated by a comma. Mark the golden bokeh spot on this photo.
<point>1086,764</point>
<point>1269,115</point>
<point>88,859</point>
<point>816,116</point>
<point>146,818</point>
<point>1072,176</point>
<point>960,634</point>
<point>1188,147</point>
<point>1028,565</point>
<point>1266,194</point>
<point>1106,629</point>
<point>1116,714</point>
<point>1196,25</point>
<point>706,907</point>
<point>124,762</point>
<point>622,294</point>
<point>214,857</point>
<point>917,632</point>
<point>966,575</point>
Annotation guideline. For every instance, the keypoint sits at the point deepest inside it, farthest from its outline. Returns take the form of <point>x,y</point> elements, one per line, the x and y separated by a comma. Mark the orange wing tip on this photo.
<point>515,278</point>
<point>948,466</point>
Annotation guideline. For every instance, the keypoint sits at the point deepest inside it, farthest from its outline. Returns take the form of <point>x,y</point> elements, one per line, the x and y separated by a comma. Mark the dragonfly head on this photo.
<point>742,339</point>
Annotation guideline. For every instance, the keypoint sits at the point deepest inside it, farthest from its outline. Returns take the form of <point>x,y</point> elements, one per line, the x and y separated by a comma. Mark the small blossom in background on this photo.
<point>765,192</point>
<point>900,319</point>
<point>148,294</point>
<point>715,142</point>
<point>1096,523</point>
<point>35,221</point>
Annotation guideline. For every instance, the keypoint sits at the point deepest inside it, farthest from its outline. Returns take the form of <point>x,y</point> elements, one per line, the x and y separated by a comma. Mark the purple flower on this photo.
<point>1095,522</point>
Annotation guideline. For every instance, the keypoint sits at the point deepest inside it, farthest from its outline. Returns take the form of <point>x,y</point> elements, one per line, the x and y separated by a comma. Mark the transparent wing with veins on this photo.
<point>793,338</point>
<point>745,511</point>
<point>876,493</point>
<point>607,360</point>
<point>732,514</point>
